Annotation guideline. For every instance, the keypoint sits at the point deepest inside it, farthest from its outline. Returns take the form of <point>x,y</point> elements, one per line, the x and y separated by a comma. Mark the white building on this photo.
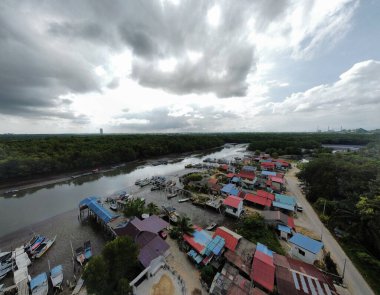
<point>305,248</point>
<point>234,206</point>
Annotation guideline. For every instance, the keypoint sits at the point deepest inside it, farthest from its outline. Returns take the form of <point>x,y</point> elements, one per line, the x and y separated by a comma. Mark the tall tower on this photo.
<point>101,131</point>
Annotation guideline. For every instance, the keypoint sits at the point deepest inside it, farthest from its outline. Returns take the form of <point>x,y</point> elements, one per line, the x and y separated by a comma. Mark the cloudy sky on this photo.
<point>188,66</point>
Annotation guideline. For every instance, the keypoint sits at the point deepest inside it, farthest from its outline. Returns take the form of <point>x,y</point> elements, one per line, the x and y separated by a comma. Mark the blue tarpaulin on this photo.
<point>268,173</point>
<point>38,280</point>
<point>215,246</point>
<point>230,189</point>
<point>284,228</point>
<point>97,208</point>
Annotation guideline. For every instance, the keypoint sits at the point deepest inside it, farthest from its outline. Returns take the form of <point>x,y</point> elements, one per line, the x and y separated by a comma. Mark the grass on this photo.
<point>370,274</point>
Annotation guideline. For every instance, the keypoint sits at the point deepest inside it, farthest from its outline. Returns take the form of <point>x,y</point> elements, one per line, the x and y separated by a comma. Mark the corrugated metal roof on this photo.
<point>264,249</point>
<point>230,189</point>
<point>258,200</point>
<point>284,228</point>
<point>267,173</point>
<point>306,243</point>
<point>97,208</point>
<point>231,238</point>
<point>263,271</point>
<point>283,206</point>
<point>265,194</point>
<point>156,247</point>
<point>232,201</point>
<point>289,200</point>
<point>198,240</point>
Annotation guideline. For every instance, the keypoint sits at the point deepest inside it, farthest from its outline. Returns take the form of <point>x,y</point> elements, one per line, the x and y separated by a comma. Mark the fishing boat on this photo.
<point>39,285</point>
<point>144,182</point>
<point>87,250</point>
<point>6,264</point>
<point>44,247</point>
<point>56,277</point>
<point>183,200</point>
<point>211,226</point>
<point>171,195</point>
<point>173,217</point>
<point>32,248</point>
<point>79,255</point>
<point>28,244</point>
<point>113,206</point>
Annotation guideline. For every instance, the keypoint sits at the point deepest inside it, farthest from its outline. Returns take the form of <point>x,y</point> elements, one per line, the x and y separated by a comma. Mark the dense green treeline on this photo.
<point>36,155</point>
<point>299,143</point>
<point>54,154</point>
<point>345,189</point>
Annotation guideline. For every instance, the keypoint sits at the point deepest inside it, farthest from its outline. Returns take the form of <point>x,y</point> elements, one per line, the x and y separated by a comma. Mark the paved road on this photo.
<point>352,278</point>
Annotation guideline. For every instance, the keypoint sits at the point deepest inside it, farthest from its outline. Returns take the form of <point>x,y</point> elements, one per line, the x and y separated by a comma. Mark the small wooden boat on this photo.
<point>113,206</point>
<point>44,247</point>
<point>79,255</point>
<point>211,226</point>
<point>36,244</point>
<point>171,195</point>
<point>87,250</point>
<point>39,285</point>
<point>183,200</point>
<point>5,267</point>
<point>144,182</point>
<point>173,217</point>
<point>56,277</point>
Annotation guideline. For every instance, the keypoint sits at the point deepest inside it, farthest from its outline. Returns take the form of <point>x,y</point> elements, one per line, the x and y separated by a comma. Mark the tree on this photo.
<point>152,209</point>
<point>134,208</point>
<point>184,226</point>
<point>111,271</point>
<point>207,274</point>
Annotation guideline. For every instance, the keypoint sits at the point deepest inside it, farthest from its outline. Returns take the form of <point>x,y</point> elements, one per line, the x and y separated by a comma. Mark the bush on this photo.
<point>207,274</point>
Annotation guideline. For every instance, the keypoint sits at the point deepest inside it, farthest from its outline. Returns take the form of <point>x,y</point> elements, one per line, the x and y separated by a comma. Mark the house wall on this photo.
<point>284,235</point>
<point>308,257</point>
<point>235,212</point>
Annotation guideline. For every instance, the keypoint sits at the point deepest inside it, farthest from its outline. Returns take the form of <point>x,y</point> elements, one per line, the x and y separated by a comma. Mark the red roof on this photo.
<point>230,175</point>
<point>291,222</point>
<point>263,270</point>
<point>231,239</point>
<point>190,239</point>
<point>277,179</point>
<point>265,194</point>
<point>213,181</point>
<point>247,175</point>
<point>268,164</point>
<point>258,200</point>
<point>224,167</point>
<point>232,201</point>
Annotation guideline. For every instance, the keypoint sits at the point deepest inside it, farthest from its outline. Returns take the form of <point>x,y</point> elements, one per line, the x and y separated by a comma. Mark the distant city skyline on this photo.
<point>189,66</point>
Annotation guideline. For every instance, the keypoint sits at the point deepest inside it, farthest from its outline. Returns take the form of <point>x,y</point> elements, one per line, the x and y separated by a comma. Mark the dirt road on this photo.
<point>310,220</point>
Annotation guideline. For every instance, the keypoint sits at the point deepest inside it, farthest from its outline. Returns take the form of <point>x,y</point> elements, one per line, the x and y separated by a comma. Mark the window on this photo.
<point>301,252</point>
<point>234,210</point>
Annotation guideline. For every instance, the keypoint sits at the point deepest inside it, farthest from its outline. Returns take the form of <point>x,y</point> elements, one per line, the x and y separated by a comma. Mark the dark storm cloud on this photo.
<point>50,49</point>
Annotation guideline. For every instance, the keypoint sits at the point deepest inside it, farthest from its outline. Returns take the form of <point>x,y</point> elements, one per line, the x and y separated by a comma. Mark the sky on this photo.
<point>76,66</point>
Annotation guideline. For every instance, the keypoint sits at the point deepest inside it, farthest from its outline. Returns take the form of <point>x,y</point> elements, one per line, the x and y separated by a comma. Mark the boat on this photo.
<point>32,248</point>
<point>144,182</point>
<point>173,217</point>
<point>87,250</point>
<point>154,188</point>
<point>172,195</point>
<point>6,264</point>
<point>211,226</point>
<point>79,254</point>
<point>44,247</point>
<point>137,182</point>
<point>183,200</point>
<point>56,277</point>
<point>28,244</point>
<point>39,285</point>
<point>113,206</point>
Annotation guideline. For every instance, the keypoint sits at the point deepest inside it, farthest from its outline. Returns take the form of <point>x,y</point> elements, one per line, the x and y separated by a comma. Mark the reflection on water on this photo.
<point>34,205</point>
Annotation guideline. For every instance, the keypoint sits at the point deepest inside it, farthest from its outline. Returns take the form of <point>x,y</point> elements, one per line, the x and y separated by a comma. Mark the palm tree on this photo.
<point>184,226</point>
<point>152,209</point>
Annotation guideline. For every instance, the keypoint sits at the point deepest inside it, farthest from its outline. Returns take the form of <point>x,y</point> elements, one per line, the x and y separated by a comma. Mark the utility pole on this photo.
<point>324,207</point>
<point>344,268</point>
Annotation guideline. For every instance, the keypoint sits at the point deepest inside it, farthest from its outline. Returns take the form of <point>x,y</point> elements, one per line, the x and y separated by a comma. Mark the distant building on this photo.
<point>101,131</point>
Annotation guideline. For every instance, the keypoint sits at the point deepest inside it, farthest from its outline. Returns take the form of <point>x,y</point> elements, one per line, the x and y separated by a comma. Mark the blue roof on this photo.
<point>56,270</point>
<point>264,249</point>
<point>249,168</point>
<point>271,173</point>
<point>235,179</point>
<point>282,206</point>
<point>215,246</point>
<point>306,243</point>
<point>284,228</point>
<point>38,280</point>
<point>230,189</point>
<point>98,209</point>
<point>289,200</point>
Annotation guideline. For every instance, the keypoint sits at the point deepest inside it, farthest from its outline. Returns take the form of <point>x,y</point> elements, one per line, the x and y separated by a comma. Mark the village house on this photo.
<point>263,269</point>
<point>305,248</point>
<point>229,189</point>
<point>234,206</point>
<point>284,203</point>
<point>274,218</point>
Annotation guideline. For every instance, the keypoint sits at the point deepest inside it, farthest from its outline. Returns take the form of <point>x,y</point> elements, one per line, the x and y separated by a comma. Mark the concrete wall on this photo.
<point>308,257</point>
